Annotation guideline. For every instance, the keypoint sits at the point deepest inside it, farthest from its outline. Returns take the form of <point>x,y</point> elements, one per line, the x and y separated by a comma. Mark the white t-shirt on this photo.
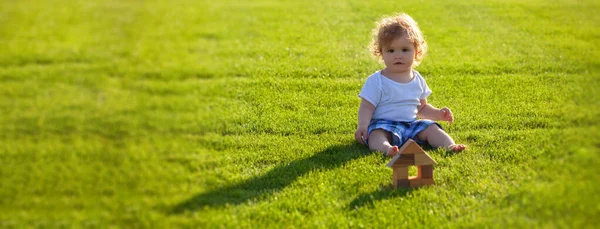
<point>395,101</point>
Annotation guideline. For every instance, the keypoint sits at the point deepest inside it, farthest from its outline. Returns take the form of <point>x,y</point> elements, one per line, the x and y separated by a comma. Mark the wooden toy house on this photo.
<point>411,154</point>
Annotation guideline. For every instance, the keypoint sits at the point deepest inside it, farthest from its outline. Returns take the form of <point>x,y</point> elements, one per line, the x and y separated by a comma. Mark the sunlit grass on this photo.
<point>241,114</point>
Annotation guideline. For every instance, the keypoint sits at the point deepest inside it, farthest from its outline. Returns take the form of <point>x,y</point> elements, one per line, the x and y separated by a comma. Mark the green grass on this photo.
<point>204,114</point>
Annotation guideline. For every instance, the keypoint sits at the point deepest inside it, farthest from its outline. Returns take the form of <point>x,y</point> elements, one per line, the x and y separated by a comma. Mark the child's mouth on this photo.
<point>398,63</point>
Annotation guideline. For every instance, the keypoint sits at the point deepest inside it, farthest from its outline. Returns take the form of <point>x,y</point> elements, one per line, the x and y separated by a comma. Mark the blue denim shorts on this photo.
<point>402,131</point>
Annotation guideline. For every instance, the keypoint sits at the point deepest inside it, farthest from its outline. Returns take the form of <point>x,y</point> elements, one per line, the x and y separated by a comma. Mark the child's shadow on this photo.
<point>274,180</point>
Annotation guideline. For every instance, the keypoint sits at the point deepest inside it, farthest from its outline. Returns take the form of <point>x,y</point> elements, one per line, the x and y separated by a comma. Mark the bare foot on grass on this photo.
<point>456,148</point>
<point>393,150</point>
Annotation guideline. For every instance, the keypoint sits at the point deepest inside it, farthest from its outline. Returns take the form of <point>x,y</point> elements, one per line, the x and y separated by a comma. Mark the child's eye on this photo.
<point>390,51</point>
<point>404,50</point>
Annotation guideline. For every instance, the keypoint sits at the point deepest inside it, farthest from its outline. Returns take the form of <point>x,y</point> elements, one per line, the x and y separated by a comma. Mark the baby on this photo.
<point>393,98</point>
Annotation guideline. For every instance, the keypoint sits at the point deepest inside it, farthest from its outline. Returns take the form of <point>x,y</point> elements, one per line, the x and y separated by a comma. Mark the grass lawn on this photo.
<point>209,114</point>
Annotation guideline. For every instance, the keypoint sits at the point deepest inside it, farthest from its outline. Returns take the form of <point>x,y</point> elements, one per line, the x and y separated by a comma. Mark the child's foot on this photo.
<point>456,148</point>
<point>392,151</point>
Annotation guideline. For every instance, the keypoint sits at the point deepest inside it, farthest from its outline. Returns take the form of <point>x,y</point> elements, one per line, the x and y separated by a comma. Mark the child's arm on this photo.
<point>427,111</point>
<point>365,113</point>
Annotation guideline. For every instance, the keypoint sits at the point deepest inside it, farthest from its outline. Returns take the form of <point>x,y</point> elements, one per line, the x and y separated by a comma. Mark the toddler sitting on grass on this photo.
<point>393,98</point>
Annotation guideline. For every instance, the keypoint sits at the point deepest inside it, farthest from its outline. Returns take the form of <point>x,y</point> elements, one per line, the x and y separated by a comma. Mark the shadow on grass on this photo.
<point>273,181</point>
<point>368,199</point>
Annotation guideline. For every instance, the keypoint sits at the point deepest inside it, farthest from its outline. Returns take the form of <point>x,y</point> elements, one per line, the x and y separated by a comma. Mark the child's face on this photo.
<point>399,55</point>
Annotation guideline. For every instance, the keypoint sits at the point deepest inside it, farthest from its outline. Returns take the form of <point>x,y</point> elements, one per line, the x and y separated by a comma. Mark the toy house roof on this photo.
<point>411,154</point>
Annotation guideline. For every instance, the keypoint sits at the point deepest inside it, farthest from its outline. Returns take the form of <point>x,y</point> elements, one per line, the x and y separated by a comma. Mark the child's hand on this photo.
<point>360,134</point>
<point>446,115</point>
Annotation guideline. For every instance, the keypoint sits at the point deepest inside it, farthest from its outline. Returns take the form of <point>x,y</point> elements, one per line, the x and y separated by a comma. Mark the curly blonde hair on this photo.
<point>390,28</point>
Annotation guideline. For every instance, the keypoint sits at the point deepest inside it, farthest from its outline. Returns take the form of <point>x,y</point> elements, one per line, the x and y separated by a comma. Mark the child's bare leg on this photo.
<point>436,137</point>
<point>380,139</point>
